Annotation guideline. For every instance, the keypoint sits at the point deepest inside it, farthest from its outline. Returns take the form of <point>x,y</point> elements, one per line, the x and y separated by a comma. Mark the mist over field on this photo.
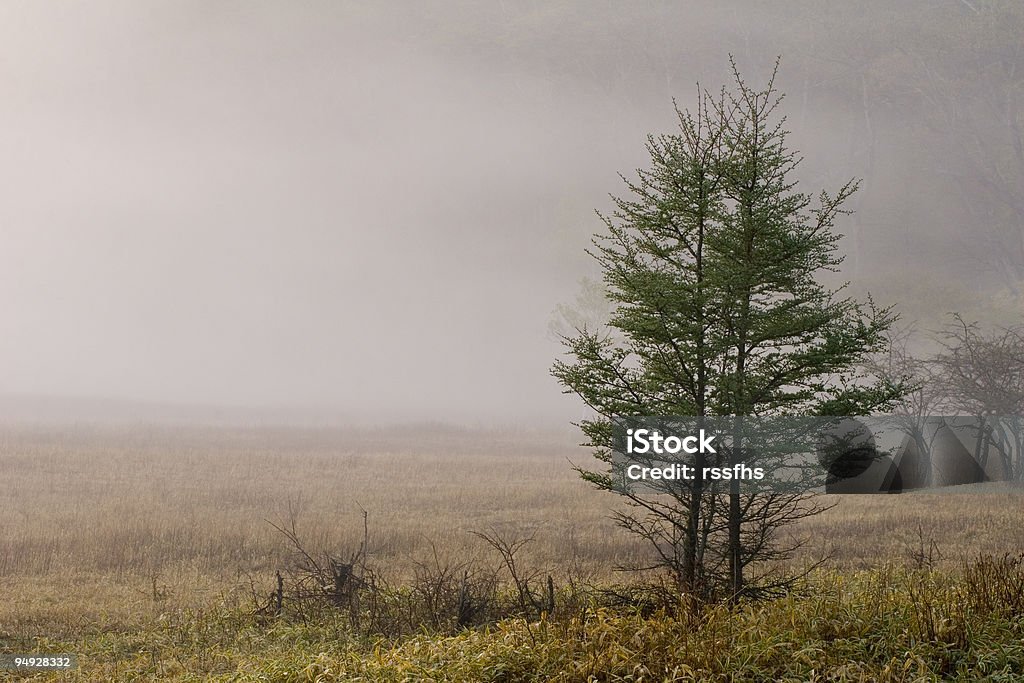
<point>362,211</point>
<point>282,287</point>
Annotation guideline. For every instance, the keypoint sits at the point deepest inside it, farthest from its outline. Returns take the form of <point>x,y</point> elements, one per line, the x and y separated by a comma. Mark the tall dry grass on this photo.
<point>184,510</point>
<point>149,500</point>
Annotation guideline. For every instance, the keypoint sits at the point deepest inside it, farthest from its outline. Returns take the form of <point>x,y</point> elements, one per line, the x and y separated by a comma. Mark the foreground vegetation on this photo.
<point>887,624</point>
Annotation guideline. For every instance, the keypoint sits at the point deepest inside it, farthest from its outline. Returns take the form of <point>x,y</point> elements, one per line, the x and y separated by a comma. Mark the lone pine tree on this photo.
<point>712,262</point>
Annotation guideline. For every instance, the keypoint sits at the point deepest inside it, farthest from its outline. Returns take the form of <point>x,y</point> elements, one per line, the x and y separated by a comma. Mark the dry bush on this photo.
<point>996,585</point>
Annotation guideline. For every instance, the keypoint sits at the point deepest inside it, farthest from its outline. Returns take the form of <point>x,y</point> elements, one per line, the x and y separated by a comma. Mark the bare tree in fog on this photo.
<point>982,375</point>
<point>982,372</point>
<point>923,394</point>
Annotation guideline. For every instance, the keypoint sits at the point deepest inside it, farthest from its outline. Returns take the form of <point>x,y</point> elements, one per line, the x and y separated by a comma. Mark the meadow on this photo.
<point>144,549</point>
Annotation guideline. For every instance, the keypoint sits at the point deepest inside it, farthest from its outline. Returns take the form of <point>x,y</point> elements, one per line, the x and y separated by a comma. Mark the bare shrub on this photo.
<point>996,585</point>
<point>450,596</point>
<point>323,577</point>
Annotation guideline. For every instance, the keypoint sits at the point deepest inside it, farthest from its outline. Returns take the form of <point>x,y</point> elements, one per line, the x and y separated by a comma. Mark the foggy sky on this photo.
<point>352,208</point>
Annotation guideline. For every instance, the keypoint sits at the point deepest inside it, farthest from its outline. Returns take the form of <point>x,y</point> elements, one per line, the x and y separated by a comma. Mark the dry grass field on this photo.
<point>107,529</point>
<point>93,516</point>
<point>193,504</point>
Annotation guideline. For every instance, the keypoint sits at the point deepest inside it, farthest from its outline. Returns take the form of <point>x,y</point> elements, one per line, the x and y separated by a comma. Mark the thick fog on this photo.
<point>370,211</point>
